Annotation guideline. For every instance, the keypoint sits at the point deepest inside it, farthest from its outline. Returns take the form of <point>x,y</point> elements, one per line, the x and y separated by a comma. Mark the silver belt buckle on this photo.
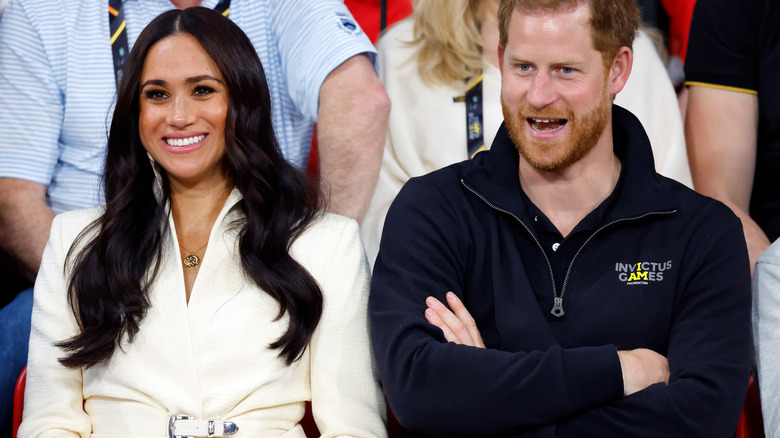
<point>172,425</point>
<point>198,428</point>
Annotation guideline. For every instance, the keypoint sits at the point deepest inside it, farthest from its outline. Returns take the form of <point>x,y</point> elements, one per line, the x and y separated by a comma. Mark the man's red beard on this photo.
<point>552,155</point>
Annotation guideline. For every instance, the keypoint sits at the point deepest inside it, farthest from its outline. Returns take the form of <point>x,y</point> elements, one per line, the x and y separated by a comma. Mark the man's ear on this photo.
<point>620,70</point>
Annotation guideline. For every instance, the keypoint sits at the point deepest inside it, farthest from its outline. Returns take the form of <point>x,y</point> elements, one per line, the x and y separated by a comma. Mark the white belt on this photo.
<point>184,426</point>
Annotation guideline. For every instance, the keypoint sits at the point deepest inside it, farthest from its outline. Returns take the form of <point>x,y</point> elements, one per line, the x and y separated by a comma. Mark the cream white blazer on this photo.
<point>209,358</point>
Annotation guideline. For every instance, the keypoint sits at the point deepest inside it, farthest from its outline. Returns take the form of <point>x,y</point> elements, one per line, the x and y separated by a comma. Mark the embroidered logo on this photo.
<point>347,24</point>
<point>641,272</point>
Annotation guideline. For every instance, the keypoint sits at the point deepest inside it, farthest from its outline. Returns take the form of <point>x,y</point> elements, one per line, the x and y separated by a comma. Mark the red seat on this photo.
<point>751,423</point>
<point>19,401</point>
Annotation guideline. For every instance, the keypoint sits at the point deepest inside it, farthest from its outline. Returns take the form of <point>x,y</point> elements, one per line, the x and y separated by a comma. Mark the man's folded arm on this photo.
<point>709,349</point>
<point>444,388</point>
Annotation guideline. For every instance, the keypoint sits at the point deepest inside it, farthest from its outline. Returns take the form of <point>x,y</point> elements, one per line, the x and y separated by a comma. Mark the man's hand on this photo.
<point>642,368</point>
<point>457,324</point>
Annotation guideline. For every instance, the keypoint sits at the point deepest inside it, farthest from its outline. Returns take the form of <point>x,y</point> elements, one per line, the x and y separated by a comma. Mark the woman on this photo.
<point>208,294</point>
<point>429,63</point>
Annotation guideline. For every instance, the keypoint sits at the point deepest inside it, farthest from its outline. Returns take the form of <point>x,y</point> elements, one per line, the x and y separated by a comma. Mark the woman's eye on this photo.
<point>155,95</point>
<point>202,90</point>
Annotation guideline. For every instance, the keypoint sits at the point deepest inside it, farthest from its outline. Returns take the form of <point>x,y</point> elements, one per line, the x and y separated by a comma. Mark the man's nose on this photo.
<point>542,91</point>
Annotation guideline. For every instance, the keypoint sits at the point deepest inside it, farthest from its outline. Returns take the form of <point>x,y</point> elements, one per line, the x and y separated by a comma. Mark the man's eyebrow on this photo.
<point>569,61</point>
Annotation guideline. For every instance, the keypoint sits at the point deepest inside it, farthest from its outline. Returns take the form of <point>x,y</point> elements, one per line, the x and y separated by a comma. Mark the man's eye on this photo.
<point>567,70</point>
<point>202,90</point>
<point>524,67</point>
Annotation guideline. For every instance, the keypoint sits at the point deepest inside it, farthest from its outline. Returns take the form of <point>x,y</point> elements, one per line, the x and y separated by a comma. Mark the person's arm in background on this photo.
<point>723,75</point>
<point>31,114</point>
<point>329,69</point>
<point>25,221</point>
<point>721,128</point>
<point>351,128</point>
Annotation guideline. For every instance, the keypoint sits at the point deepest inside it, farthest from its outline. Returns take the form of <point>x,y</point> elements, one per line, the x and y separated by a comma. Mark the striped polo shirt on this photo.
<point>58,86</point>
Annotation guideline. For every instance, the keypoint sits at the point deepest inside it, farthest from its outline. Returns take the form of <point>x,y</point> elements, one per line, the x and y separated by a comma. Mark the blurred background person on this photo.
<point>209,285</point>
<point>731,126</point>
<point>440,69</point>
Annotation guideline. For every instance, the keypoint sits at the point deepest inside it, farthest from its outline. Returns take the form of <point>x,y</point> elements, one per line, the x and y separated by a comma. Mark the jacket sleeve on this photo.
<point>709,347</point>
<point>53,400</point>
<point>345,394</point>
<point>446,389</point>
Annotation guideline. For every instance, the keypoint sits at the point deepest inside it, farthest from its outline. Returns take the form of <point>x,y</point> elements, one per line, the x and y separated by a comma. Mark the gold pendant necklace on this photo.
<point>192,261</point>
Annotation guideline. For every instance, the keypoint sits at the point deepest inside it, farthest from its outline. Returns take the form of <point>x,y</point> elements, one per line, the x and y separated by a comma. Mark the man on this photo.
<point>57,73</point>
<point>731,124</point>
<point>591,296</point>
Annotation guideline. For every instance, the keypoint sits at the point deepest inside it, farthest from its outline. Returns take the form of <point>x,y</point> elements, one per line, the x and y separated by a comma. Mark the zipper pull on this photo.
<point>557,309</point>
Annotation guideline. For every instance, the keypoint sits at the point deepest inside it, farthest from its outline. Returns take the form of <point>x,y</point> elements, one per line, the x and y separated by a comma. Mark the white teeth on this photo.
<point>543,125</point>
<point>184,141</point>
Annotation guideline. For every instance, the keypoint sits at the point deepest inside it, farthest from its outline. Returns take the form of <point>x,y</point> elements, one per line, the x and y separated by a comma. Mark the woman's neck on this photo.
<point>194,210</point>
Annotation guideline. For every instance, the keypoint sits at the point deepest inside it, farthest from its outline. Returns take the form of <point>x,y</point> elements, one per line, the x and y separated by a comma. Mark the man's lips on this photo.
<point>546,124</point>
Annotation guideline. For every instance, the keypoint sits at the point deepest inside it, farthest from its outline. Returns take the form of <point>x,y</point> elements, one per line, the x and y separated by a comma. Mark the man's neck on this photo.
<point>183,4</point>
<point>567,196</point>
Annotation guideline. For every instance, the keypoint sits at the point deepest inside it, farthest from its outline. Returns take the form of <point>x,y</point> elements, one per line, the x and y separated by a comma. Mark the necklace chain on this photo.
<point>192,261</point>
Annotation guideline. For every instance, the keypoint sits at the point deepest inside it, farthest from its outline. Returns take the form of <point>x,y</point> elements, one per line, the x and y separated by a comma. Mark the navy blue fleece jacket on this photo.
<point>660,267</point>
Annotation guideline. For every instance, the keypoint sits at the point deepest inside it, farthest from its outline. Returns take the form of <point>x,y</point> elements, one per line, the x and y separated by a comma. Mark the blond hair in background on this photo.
<point>448,35</point>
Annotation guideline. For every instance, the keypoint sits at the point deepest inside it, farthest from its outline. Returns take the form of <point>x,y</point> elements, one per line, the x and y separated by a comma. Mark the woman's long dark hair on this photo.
<point>111,274</point>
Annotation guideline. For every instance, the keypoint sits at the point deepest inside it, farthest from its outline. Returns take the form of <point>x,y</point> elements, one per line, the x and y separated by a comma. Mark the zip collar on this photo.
<point>493,178</point>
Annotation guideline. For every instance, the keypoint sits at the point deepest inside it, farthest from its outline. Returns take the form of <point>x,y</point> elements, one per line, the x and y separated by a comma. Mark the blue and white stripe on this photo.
<point>57,81</point>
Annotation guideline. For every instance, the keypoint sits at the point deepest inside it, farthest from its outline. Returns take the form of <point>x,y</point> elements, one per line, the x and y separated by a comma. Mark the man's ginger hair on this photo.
<point>614,23</point>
